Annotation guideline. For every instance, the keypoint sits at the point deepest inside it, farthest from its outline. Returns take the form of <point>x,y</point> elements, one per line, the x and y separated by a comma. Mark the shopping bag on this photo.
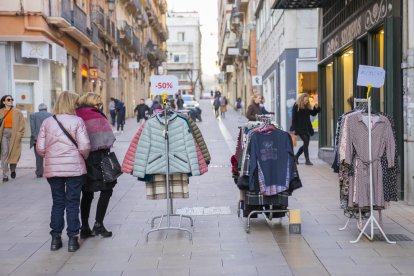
<point>111,169</point>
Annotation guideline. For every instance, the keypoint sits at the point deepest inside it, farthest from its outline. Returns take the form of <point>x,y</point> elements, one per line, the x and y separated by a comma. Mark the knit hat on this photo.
<point>42,106</point>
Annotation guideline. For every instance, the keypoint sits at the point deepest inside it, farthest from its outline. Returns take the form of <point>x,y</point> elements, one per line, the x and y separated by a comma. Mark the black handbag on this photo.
<point>111,169</point>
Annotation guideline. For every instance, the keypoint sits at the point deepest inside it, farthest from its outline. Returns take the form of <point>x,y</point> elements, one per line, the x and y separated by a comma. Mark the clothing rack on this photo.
<point>371,220</point>
<point>167,183</point>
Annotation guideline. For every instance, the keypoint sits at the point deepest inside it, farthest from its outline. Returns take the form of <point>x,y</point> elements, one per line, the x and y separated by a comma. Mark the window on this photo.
<point>348,77</point>
<point>181,36</point>
<point>180,58</point>
<point>329,105</point>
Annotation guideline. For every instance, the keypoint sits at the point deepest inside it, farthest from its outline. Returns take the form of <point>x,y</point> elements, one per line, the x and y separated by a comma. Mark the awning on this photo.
<point>298,4</point>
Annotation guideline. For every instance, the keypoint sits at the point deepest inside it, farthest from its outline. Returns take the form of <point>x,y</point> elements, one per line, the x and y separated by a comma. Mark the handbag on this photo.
<point>111,169</point>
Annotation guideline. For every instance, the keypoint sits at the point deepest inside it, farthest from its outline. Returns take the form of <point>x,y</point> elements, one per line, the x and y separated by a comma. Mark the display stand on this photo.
<point>371,220</point>
<point>167,184</point>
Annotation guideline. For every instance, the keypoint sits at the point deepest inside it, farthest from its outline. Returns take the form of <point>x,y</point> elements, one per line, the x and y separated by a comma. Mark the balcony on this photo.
<point>295,4</point>
<point>163,6</point>
<point>154,54</point>
<point>61,14</point>
<point>99,18</point>
<point>95,34</point>
<point>126,34</point>
<point>72,20</point>
<point>136,44</point>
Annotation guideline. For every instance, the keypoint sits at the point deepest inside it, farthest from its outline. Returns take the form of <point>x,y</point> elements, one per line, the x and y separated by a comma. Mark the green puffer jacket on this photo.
<point>200,140</point>
<point>150,157</point>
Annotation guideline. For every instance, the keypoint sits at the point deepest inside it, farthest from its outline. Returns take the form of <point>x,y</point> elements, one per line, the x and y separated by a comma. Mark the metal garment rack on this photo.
<point>167,184</point>
<point>371,220</point>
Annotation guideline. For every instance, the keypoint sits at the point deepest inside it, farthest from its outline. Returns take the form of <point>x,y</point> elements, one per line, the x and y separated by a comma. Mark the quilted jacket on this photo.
<point>62,158</point>
<point>150,157</point>
<point>200,140</point>
<point>128,163</point>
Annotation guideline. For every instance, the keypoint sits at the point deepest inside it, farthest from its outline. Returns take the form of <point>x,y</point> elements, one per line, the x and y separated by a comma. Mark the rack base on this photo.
<point>169,227</point>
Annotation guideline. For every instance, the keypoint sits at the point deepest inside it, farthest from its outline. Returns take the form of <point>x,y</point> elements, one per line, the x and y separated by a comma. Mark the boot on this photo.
<point>308,162</point>
<point>86,232</point>
<point>99,229</point>
<point>56,243</point>
<point>297,159</point>
<point>73,244</point>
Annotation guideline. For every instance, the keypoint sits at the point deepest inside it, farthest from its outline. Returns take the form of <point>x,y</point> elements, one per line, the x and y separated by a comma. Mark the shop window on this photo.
<point>329,105</point>
<point>18,56</point>
<point>308,83</point>
<point>180,36</point>
<point>348,79</point>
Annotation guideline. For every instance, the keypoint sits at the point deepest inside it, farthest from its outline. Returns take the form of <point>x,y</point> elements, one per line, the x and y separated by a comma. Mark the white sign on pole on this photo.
<point>164,84</point>
<point>134,65</point>
<point>257,80</point>
<point>370,75</point>
<point>114,69</point>
<point>233,51</point>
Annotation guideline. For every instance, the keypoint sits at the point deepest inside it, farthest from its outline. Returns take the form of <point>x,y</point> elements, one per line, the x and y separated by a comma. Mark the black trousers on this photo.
<point>305,148</point>
<point>101,208</point>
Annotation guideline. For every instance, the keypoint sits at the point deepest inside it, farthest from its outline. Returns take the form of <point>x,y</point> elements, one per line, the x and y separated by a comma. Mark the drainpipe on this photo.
<point>408,82</point>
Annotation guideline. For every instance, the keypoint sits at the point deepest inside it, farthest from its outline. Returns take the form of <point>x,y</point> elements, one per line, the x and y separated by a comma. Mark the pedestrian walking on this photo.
<point>239,105</point>
<point>112,111</point>
<point>102,139</point>
<point>216,105</point>
<point>156,106</point>
<point>36,120</point>
<point>12,128</point>
<point>120,116</point>
<point>180,102</point>
<point>64,143</point>
<point>254,108</point>
<point>301,124</point>
<point>223,106</point>
<point>141,111</point>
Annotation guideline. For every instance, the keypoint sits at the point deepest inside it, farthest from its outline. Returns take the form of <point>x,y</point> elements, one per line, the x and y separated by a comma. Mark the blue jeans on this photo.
<point>66,193</point>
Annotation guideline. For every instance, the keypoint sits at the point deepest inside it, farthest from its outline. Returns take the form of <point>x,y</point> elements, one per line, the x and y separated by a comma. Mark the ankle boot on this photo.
<point>73,244</point>
<point>86,232</point>
<point>56,243</point>
<point>297,160</point>
<point>308,162</point>
<point>99,229</point>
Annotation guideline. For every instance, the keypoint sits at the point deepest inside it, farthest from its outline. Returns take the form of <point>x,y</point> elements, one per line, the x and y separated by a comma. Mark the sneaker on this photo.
<point>13,175</point>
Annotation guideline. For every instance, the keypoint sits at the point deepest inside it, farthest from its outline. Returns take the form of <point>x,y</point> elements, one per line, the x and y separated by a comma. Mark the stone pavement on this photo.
<point>220,244</point>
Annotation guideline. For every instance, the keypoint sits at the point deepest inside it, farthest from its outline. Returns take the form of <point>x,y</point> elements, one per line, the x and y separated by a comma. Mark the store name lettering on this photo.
<point>350,32</point>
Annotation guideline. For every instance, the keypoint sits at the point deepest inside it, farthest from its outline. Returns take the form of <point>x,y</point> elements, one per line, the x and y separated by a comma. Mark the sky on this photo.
<point>207,10</point>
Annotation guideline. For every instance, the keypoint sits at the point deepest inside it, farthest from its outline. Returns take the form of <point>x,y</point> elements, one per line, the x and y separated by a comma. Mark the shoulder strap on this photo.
<point>65,131</point>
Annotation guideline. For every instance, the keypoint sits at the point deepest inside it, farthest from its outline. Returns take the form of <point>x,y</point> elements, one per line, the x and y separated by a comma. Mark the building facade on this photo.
<point>80,45</point>
<point>353,33</point>
<point>237,49</point>
<point>184,51</point>
<point>286,58</point>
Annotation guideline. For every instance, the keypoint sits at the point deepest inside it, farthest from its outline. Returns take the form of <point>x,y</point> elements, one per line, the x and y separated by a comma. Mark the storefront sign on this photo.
<point>307,53</point>
<point>84,71</point>
<point>233,51</point>
<point>35,50</point>
<point>114,69</point>
<point>257,80</point>
<point>230,68</point>
<point>134,65</point>
<point>164,84</point>
<point>371,75</point>
<point>93,73</point>
<point>361,24</point>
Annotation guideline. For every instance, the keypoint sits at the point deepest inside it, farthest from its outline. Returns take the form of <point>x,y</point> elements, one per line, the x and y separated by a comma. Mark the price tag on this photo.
<point>164,84</point>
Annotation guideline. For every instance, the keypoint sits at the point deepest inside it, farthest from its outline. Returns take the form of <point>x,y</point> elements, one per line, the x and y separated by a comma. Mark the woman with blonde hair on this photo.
<point>102,138</point>
<point>301,124</point>
<point>64,144</point>
<point>254,108</point>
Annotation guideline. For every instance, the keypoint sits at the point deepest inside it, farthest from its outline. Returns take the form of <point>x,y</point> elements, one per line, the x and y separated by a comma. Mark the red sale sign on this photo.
<point>164,84</point>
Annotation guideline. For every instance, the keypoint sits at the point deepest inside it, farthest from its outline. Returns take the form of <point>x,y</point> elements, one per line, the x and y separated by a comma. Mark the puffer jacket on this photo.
<point>62,158</point>
<point>200,140</point>
<point>150,157</point>
<point>128,163</point>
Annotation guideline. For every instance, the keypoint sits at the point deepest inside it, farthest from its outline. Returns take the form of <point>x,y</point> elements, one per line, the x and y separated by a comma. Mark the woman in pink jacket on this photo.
<point>64,166</point>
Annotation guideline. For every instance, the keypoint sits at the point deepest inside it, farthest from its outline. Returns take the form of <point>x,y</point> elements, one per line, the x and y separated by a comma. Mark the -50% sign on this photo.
<point>164,84</point>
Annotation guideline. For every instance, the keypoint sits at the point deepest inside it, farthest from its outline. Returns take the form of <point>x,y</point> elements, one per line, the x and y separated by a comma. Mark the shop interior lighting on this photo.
<point>382,32</point>
<point>329,64</point>
<point>350,52</point>
<point>346,54</point>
